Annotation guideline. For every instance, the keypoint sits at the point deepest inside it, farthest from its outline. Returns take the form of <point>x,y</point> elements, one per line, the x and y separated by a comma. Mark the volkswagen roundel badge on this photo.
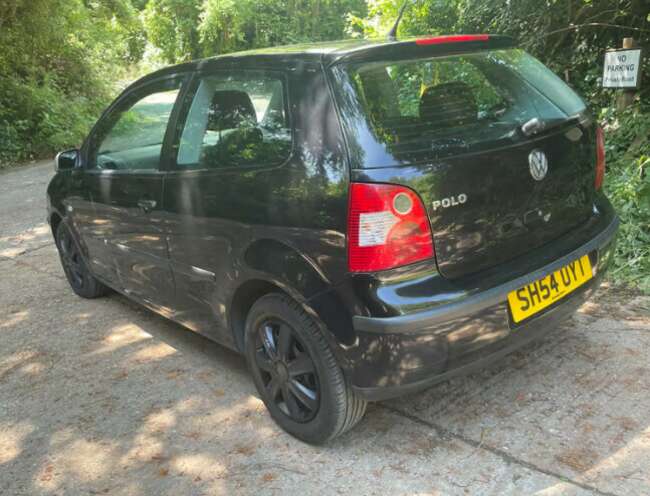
<point>538,164</point>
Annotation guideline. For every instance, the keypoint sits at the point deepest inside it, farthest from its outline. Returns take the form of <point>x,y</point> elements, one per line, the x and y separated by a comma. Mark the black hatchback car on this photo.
<point>360,219</point>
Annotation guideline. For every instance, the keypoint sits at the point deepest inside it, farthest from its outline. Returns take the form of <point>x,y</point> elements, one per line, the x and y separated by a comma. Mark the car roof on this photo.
<point>331,52</point>
<point>314,49</point>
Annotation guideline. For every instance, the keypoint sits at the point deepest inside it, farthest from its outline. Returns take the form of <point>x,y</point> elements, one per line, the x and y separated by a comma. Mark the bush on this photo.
<point>627,184</point>
<point>39,119</point>
<point>58,62</point>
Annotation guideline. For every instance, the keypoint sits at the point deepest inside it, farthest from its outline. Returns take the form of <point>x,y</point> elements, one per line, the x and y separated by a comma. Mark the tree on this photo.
<point>55,56</point>
<point>187,29</point>
<point>172,26</point>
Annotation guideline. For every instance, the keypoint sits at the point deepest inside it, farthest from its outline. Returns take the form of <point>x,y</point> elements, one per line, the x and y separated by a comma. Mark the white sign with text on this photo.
<point>622,68</point>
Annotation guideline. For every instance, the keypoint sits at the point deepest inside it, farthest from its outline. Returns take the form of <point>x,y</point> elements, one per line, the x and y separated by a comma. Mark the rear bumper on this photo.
<point>402,354</point>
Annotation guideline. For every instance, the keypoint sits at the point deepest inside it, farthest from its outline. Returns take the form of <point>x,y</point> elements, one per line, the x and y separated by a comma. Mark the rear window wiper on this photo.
<point>536,125</point>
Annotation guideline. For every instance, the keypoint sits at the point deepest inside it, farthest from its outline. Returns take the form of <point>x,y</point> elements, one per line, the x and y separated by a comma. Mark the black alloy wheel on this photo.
<point>71,260</point>
<point>288,372</point>
<point>296,373</point>
<point>82,282</point>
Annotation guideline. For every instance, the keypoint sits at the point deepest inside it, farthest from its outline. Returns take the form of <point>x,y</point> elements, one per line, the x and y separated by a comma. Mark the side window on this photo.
<point>236,120</point>
<point>132,136</point>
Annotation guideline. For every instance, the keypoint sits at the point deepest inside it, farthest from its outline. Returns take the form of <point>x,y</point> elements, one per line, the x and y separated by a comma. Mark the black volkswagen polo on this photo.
<point>360,219</point>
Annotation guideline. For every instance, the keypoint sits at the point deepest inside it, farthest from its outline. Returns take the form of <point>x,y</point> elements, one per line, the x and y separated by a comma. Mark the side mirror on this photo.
<point>66,160</point>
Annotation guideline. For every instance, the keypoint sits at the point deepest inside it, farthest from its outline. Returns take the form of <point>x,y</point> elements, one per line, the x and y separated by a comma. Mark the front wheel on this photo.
<point>296,374</point>
<point>82,282</point>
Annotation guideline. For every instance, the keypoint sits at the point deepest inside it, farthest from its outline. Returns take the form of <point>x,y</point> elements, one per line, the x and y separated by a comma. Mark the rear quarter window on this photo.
<point>236,120</point>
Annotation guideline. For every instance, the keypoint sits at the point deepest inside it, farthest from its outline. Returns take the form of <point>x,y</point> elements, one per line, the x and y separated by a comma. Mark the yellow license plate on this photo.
<point>542,293</point>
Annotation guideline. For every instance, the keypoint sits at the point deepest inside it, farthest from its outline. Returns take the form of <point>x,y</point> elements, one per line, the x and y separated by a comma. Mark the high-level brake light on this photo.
<point>459,38</point>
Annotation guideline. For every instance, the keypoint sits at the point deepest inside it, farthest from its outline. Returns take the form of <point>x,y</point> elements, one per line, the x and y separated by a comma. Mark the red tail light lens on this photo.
<point>461,38</point>
<point>388,227</point>
<point>600,158</point>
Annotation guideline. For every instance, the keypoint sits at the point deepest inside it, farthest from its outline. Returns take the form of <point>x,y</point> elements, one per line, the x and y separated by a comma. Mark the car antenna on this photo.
<point>392,34</point>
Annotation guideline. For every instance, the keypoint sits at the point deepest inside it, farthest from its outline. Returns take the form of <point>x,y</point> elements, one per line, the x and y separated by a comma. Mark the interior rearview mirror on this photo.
<point>66,160</point>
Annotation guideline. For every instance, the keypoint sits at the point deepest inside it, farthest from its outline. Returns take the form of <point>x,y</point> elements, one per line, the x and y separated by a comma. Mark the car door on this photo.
<point>124,175</point>
<point>236,134</point>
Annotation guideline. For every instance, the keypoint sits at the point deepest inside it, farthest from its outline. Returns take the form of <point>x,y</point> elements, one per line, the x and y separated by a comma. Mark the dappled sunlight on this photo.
<point>110,399</point>
<point>14,245</point>
<point>147,448</point>
<point>189,405</point>
<point>242,409</point>
<point>13,319</point>
<point>34,368</point>
<point>152,353</point>
<point>559,489</point>
<point>574,403</point>
<point>160,421</point>
<point>630,461</point>
<point>148,442</point>
<point>27,362</point>
<point>121,336</point>
<point>80,459</point>
<point>199,465</point>
<point>11,439</point>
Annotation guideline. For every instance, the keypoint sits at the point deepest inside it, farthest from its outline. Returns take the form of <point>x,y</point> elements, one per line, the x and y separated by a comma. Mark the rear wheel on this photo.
<point>82,282</point>
<point>296,373</point>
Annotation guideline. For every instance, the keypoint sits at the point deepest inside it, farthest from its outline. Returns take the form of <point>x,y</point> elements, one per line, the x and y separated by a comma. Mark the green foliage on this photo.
<point>61,60</point>
<point>628,186</point>
<point>187,29</point>
<point>58,61</point>
<point>570,36</point>
<point>172,27</point>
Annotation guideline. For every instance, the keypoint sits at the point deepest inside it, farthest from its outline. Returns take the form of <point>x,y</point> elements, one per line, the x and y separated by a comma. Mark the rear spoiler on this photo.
<point>428,46</point>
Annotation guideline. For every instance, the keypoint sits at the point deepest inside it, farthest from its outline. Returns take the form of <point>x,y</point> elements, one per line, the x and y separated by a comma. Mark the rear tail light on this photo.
<point>388,227</point>
<point>600,158</point>
<point>461,38</point>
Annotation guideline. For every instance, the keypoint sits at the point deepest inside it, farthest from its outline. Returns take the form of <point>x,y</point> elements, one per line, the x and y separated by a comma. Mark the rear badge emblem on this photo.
<point>538,164</point>
<point>452,201</point>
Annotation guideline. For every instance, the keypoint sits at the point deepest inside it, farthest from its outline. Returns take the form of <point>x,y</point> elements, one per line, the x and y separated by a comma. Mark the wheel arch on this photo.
<point>243,299</point>
<point>252,290</point>
<point>55,221</point>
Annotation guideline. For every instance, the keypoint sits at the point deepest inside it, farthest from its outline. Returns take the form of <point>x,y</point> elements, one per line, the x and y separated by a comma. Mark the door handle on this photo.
<point>147,205</point>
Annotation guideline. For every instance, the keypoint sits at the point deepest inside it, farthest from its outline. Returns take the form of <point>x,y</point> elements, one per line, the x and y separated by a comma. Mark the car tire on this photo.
<point>82,282</point>
<point>296,374</point>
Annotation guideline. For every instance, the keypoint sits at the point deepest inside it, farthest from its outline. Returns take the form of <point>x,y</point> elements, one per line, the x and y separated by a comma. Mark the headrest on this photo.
<point>448,104</point>
<point>381,93</point>
<point>231,109</point>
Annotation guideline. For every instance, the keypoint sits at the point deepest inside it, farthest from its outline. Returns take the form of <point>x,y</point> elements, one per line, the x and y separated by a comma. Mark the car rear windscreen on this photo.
<point>435,107</point>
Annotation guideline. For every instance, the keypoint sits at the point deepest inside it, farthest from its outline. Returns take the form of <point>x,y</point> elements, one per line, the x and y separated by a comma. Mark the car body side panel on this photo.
<point>131,237</point>
<point>284,223</point>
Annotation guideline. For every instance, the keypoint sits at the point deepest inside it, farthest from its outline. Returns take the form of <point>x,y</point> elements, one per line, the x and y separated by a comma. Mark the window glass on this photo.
<point>236,120</point>
<point>132,138</point>
<point>544,80</point>
<point>435,107</point>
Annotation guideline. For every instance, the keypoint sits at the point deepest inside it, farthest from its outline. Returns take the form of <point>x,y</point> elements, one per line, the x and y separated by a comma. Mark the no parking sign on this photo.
<point>622,69</point>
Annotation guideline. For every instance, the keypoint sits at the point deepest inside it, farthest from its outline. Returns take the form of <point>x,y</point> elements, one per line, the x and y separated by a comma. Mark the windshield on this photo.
<point>431,108</point>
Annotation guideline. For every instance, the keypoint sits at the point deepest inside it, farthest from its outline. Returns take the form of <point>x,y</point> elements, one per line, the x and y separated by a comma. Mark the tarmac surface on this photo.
<point>104,397</point>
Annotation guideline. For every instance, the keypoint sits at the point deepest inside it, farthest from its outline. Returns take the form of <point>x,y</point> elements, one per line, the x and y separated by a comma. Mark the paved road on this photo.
<point>102,397</point>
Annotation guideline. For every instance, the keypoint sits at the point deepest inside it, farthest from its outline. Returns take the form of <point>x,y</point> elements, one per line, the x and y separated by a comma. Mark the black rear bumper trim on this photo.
<point>475,302</point>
